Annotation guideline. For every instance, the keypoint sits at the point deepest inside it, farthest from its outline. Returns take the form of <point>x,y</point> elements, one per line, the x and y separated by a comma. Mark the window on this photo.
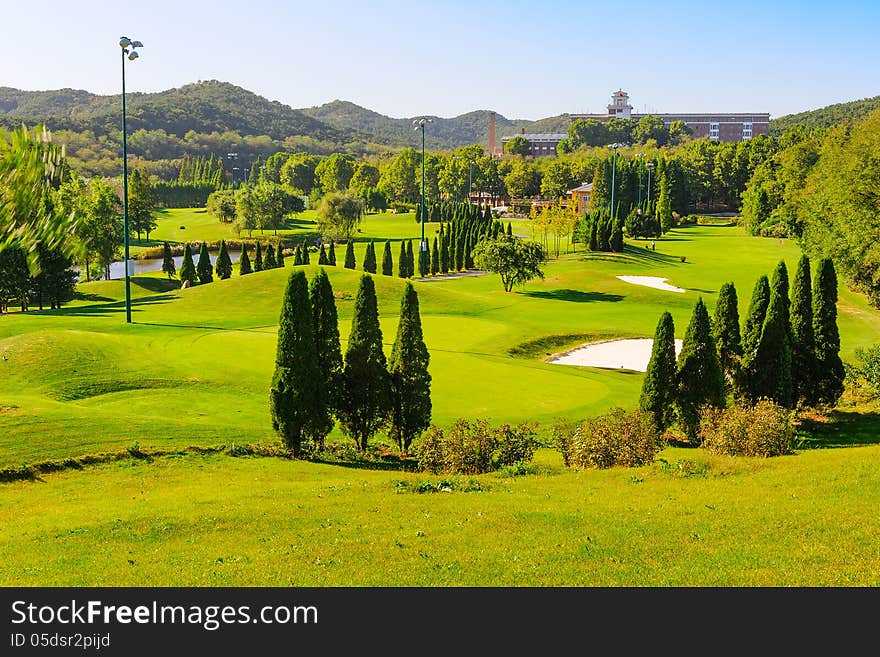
<point>713,131</point>
<point>747,131</point>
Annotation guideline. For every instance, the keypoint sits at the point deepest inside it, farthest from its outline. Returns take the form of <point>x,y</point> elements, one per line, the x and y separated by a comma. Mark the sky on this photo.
<point>525,60</point>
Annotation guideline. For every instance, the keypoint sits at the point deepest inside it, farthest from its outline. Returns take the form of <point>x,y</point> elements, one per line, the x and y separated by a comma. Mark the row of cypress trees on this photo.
<point>788,350</point>
<point>203,271</point>
<point>313,385</point>
<point>604,232</point>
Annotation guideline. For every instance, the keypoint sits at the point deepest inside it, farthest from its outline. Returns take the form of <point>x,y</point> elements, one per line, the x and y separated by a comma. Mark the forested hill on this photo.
<point>462,130</point>
<point>202,107</point>
<point>825,116</point>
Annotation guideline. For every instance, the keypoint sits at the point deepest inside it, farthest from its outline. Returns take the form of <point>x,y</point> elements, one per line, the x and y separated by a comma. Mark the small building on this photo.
<point>580,196</point>
<point>542,143</point>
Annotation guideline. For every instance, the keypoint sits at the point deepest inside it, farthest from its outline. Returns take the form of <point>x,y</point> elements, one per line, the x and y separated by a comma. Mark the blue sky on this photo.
<point>522,59</point>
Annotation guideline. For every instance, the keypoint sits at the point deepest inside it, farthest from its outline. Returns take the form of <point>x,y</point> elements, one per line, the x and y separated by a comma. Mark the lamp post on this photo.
<point>455,176</point>
<point>641,157</point>
<point>614,148</point>
<point>650,166</point>
<point>470,177</point>
<point>420,124</point>
<point>128,49</point>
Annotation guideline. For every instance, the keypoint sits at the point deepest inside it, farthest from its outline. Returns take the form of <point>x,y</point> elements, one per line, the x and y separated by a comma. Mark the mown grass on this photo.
<point>194,369</point>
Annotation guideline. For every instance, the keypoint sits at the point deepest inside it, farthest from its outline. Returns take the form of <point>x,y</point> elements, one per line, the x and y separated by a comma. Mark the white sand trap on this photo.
<point>615,354</point>
<point>651,281</point>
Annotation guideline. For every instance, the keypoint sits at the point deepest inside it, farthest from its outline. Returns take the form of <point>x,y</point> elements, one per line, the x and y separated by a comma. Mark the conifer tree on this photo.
<point>168,261</point>
<point>365,387</point>
<point>615,241</point>
<point>829,383</point>
<point>269,261</point>
<point>460,245</point>
<point>296,399</point>
<point>509,229</point>
<point>699,381</point>
<point>204,268</point>
<point>297,255</point>
<point>410,262</point>
<point>331,254</point>
<point>244,263</point>
<point>770,369</point>
<point>435,258</point>
<point>349,255</point>
<point>326,325</point>
<point>444,254</point>
<point>804,368</point>
<point>370,258</point>
<point>401,260</point>
<point>223,267</point>
<point>258,259</point>
<point>453,249</point>
<point>658,386</point>
<point>387,260</point>
<point>594,232</point>
<point>279,256</point>
<point>725,330</point>
<point>779,284</point>
<point>755,317</point>
<point>408,373</point>
<point>322,256</point>
<point>305,254</point>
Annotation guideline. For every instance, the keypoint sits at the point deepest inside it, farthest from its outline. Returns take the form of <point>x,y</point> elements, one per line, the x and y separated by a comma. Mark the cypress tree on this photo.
<point>770,369</point>
<point>509,229</point>
<point>444,254</point>
<point>460,244</point>
<point>452,251</point>
<point>699,381</point>
<point>779,284</point>
<point>370,258</point>
<point>401,260</point>
<point>279,255</point>
<point>658,387</point>
<point>326,326</point>
<point>804,368</point>
<point>223,266</point>
<point>331,254</point>
<point>168,261</point>
<point>296,398</point>
<point>435,258</point>
<point>604,234</point>
<point>244,263</point>
<point>297,255</point>
<point>594,232</point>
<point>387,260</point>
<point>410,263</point>
<point>269,262</point>
<point>755,317</point>
<point>615,242</point>
<point>349,255</point>
<point>365,387</point>
<point>258,259</point>
<point>305,254</point>
<point>204,268</point>
<point>410,382</point>
<point>725,330</point>
<point>829,383</point>
<point>322,256</point>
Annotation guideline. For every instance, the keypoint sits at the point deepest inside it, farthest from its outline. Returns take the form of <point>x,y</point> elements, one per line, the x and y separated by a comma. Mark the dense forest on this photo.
<point>825,117</point>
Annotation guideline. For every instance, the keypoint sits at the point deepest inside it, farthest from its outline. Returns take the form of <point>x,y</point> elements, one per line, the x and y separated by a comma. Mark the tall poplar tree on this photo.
<point>387,260</point>
<point>829,383</point>
<point>699,381</point>
<point>295,396</point>
<point>409,378</point>
<point>804,368</point>
<point>365,401</point>
<point>326,326</point>
<point>658,386</point>
<point>725,329</point>
<point>204,268</point>
<point>349,255</point>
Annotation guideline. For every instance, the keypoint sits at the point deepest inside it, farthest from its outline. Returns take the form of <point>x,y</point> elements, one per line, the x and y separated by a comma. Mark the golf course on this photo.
<point>168,473</point>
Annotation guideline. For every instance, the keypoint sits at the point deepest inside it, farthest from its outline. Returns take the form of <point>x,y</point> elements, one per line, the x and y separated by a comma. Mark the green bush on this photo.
<point>765,429</point>
<point>474,447</point>
<point>617,438</point>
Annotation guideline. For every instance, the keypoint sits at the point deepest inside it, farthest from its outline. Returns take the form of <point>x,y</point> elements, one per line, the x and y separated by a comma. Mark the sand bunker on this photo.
<point>616,354</point>
<point>651,281</point>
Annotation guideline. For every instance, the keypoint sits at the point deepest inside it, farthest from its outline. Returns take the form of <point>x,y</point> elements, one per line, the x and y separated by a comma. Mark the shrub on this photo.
<point>474,447</point>
<point>765,429</point>
<point>616,438</point>
<point>562,432</point>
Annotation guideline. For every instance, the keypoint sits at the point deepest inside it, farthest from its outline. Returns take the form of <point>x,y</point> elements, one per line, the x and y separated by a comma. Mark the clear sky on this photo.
<point>523,59</point>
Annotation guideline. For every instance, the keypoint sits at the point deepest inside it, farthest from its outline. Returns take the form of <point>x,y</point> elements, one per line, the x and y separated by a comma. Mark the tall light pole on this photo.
<point>423,249</point>
<point>614,148</point>
<point>455,176</point>
<point>641,156</point>
<point>471,164</point>
<point>128,49</point>
<point>650,166</point>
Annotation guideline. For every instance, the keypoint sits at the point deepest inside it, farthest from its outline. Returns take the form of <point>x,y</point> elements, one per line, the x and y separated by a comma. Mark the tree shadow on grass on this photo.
<point>105,309</point>
<point>576,296</point>
<point>79,296</point>
<point>634,254</point>
<point>841,429</point>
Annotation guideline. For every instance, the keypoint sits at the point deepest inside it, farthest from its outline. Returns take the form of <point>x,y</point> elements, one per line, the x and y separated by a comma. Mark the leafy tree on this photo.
<point>223,266</point>
<point>204,268</point>
<point>587,132</point>
<point>829,384</point>
<point>387,260</point>
<point>141,216</point>
<point>55,281</point>
<point>269,200</point>
<point>187,268</point>
<point>349,255</point>
<point>222,205</point>
<point>523,180</point>
<point>804,369</point>
<point>15,283</point>
<point>365,178</point>
<point>650,127</point>
<point>326,325</point>
<point>659,384</point>
<point>408,373</point>
<point>298,173</point>
<point>402,261</point>
<point>370,258</point>
<point>339,215</point>
<point>269,260</point>
<point>365,388</point>
<point>331,255</point>
<point>168,265</point>
<point>725,330</point>
<point>515,260</point>
<point>244,263</point>
<point>517,145</point>
<point>297,399</point>
<point>699,381</point>
<point>334,172</point>
<point>258,258</point>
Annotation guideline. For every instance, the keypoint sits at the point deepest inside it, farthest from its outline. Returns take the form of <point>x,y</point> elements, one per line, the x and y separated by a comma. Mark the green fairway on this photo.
<point>194,369</point>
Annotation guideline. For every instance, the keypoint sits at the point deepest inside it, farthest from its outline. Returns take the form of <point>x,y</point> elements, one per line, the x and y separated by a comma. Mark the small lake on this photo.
<point>117,269</point>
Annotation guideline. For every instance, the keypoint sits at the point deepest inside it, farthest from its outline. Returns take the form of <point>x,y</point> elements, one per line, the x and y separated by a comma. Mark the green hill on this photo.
<point>825,116</point>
